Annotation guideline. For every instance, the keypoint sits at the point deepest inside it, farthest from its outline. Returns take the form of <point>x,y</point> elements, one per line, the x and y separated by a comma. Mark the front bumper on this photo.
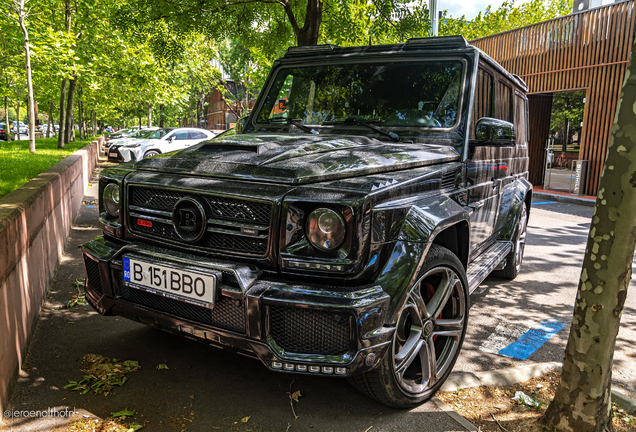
<point>122,154</point>
<point>289,327</point>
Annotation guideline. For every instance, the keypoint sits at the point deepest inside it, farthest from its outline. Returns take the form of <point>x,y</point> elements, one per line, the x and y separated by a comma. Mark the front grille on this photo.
<point>231,209</point>
<point>92,274</point>
<point>309,331</point>
<point>225,212</point>
<point>227,313</point>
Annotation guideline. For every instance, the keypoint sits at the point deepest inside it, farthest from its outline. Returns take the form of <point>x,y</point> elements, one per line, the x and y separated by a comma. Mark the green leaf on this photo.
<point>123,413</point>
<point>162,366</point>
<point>135,427</point>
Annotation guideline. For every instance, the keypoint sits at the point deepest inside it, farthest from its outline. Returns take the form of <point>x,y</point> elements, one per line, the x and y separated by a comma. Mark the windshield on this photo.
<point>401,94</point>
<point>156,134</point>
<point>143,133</point>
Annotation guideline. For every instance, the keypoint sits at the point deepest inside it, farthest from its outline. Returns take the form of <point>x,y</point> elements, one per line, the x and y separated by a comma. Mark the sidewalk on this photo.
<point>552,195</point>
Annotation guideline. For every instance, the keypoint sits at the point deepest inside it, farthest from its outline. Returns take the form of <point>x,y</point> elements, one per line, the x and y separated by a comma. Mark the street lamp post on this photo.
<point>433,13</point>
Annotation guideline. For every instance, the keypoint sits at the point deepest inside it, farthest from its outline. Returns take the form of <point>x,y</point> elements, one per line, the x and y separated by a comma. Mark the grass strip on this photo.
<point>18,166</point>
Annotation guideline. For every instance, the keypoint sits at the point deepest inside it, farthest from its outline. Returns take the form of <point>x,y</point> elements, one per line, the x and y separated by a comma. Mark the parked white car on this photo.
<point>137,136</point>
<point>157,142</point>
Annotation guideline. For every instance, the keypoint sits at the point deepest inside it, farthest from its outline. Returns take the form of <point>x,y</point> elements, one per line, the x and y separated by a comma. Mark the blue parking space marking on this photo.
<point>544,202</point>
<point>532,340</point>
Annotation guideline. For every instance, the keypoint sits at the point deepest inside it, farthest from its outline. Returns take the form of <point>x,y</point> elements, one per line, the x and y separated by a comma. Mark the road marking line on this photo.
<point>532,340</point>
<point>544,202</point>
<point>506,333</point>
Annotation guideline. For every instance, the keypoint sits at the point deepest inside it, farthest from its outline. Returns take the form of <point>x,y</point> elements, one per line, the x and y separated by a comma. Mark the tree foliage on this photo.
<point>506,17</point>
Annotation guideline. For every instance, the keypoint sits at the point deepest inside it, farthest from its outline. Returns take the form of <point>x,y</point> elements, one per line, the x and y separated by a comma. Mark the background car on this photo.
<point>3,132</point>
<point>140,134</point>
<point>160,141</point>
<point>123,133</point>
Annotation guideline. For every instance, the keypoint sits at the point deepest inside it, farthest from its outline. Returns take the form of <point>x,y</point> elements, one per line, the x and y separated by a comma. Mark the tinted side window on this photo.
<point>504,102</point>
<point>196,135</point>
<point>483,98</point>
<point>181,135</point>
<point>521,118</point>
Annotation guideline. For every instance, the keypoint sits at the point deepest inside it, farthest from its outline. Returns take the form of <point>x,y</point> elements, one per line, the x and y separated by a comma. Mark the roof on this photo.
<point>442,43</point>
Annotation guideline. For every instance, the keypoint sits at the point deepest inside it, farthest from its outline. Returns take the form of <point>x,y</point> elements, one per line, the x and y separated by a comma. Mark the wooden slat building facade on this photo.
<point>588,51</point>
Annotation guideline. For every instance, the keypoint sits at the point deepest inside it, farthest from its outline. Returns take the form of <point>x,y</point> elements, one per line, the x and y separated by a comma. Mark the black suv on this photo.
<point>341,231</point>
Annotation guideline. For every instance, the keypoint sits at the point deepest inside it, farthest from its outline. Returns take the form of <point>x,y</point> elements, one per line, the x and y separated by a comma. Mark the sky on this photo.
<point>457,8</point>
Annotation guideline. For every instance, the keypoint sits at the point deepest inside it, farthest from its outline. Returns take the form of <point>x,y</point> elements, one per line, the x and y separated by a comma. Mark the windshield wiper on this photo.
<point>368,124</point>
<point>295,122</point>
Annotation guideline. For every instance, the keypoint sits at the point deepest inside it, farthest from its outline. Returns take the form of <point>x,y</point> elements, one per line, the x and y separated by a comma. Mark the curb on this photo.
<point>498,378</point>
<point>452,414</point>
<point>518,374</point>
<point>565,199</point>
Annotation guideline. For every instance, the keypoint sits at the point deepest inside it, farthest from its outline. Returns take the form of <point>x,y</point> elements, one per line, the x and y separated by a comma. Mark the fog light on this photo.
<point>314,369</point>
<point>327,369</point>
<point>289,366</point>
<point>301,368</point>
<point>341,371</point>
<point>277,365</point>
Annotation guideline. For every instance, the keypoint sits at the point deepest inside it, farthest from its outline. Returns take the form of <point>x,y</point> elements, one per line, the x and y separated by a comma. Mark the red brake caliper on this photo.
<point>430,292</point>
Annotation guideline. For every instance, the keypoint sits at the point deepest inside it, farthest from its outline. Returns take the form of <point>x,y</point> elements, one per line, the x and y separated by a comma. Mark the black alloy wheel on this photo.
<point>515,257</point>
<point>429,333</point>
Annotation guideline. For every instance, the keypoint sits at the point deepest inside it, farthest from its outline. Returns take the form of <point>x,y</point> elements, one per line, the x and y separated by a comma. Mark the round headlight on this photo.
<point>111,199</point>
<point>325,229</point>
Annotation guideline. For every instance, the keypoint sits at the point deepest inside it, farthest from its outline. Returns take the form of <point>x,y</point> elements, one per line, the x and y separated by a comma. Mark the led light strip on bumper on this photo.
<point>328,370</point>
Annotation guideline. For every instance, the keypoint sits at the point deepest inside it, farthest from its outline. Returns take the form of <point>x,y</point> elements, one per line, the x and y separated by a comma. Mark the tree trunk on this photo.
<point>308,34</point>
<point>582,402</point>
<point>161,115</point>
<point>17,121</point>
<point>48,127</point>
<point>149,115</point>
<point>81,119</point>
<point>6,119</point>
<point>140,122</point>
<point>69,133</point>
<point>27,54</point>
<point>60,132</point>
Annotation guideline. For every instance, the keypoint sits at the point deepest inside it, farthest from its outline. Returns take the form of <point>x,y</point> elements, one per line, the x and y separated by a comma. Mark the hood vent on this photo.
<point>448,180</point>
<point>218,147</point>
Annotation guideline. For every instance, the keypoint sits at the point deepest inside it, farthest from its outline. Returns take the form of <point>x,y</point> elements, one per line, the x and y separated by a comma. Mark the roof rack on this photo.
<point>310,49</point>
<point>437,42</point>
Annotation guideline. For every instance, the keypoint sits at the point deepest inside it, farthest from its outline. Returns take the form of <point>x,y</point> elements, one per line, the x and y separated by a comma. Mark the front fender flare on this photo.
<point>424,221</point>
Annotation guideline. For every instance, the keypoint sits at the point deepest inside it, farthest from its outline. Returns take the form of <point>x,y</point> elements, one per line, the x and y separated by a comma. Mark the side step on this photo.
<point>480,268</point>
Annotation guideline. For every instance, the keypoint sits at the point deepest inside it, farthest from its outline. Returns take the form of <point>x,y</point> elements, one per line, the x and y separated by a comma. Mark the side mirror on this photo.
<point>494,132</point>
<point>170,139</point>
<point>240,124</point>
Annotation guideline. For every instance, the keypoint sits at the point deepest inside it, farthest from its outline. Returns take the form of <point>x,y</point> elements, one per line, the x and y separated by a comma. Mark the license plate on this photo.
<point>172,282</point>
<point>112,154</point>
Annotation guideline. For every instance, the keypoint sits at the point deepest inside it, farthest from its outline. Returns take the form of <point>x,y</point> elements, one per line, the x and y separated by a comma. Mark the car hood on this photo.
<point>296,159</point>
<point>134,142</point>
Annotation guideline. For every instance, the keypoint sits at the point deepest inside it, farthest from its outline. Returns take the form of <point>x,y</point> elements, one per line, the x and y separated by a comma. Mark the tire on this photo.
<point>429,334</point>
<point>515,257</point>
<point>150,153</point>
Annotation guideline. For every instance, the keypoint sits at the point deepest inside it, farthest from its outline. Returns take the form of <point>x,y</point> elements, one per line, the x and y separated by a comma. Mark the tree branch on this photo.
<point>388,20</point>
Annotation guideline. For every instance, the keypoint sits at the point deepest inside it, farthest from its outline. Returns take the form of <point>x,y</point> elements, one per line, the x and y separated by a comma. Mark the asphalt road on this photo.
<point>544,290</point>
<point>208,389</point>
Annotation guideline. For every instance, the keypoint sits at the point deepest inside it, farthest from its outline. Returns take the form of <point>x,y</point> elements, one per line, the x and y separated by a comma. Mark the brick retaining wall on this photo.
<point>35,221</point>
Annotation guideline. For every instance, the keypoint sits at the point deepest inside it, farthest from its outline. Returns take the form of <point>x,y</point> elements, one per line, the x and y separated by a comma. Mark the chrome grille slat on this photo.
<point>227,215</point>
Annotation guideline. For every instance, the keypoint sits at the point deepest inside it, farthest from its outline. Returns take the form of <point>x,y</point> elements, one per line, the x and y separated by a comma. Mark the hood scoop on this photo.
<point>220,147</point>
